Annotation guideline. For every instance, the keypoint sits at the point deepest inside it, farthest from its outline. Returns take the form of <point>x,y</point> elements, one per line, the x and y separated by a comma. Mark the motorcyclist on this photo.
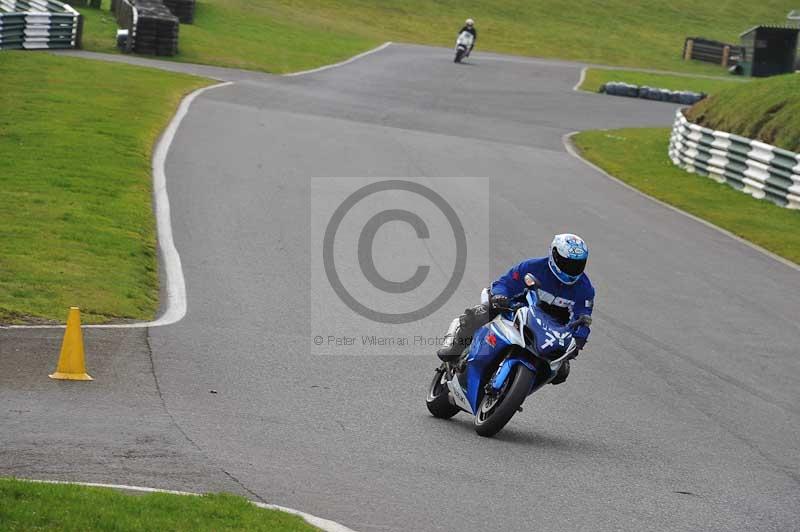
<point>564,292</point>
<point>469,27</point>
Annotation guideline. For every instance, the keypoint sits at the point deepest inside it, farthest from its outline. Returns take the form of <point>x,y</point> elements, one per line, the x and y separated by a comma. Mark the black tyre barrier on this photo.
<point>616,88</point>
<point>183,9</point>
<point>152,28</point>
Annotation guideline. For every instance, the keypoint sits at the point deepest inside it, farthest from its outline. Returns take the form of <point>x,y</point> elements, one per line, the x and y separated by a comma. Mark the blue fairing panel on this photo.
<point>505,370</point>
<point>481,354</point>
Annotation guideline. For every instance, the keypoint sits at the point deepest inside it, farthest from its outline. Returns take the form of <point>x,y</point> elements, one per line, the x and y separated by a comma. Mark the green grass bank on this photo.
<point>62,507</point>
<point>77,225</point>
<point>639,158</point>
<point>287,35</point>
<point>765,109</point>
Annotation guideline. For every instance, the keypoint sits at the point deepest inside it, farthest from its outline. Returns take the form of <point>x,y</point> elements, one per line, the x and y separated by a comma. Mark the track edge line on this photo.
<point>577,87</point>
<point>340,63</point>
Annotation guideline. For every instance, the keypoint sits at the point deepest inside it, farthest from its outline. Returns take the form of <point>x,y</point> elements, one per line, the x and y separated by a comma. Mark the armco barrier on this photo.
<point>127,17</point>
<point>38,24</point>
<point>759,169</point>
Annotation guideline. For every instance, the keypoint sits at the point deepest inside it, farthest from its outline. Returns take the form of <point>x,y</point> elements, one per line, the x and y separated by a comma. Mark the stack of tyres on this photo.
<point>617,88</point>
<point>156,29</point>
<point>49,31</point>
<point>12,31</point>
<point>659,95</point>
<point>37,24</point>
<point>183,9</point>
<point>689,97</point>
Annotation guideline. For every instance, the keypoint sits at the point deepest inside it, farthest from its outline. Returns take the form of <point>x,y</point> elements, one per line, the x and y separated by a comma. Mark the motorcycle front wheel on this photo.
<point>438,399</point>
<point>459,55</point>
<point>496,410</point>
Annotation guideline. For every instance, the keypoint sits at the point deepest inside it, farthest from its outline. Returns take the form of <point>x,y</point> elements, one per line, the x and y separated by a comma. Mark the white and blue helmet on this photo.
<point>568,254</point>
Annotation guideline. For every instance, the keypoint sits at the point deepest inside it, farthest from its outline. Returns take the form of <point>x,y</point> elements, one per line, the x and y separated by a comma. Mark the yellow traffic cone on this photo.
<point>71,363</point>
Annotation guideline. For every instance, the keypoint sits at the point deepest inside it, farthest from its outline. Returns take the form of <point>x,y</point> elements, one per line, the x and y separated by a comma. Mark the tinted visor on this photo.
<point>573,267</point>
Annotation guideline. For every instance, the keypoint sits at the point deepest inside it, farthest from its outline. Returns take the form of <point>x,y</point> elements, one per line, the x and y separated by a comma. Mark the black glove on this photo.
<point>580,342</point>
<point>499,302</point>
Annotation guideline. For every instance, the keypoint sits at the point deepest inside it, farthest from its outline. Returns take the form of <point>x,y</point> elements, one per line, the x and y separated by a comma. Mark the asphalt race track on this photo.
<point>683,413</point>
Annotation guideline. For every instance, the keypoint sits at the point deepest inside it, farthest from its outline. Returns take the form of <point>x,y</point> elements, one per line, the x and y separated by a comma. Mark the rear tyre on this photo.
<point>495,411</point>
<point>438,399</point>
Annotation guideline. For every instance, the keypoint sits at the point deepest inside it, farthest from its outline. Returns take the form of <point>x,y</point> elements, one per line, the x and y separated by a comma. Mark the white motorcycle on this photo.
<point>463,45</point>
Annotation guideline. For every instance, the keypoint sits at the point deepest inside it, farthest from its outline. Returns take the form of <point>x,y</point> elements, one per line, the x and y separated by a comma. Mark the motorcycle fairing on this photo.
<point>457,393</point>
<point>484,351</point>
<point>464,39</point>
<point>499,378</point>
<point>551,339</point>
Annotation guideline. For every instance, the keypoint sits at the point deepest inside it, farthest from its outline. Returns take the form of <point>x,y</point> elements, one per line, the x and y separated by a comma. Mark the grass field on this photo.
<point>596,77</point>
<point>286,35</point>
<point>35,506</point>
<point>77,223</point>
<point>639,158</point>
<point>765,109</point>
<point>100,28</point>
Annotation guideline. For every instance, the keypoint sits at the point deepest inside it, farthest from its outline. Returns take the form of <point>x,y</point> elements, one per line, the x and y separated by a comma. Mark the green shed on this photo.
<point>768,50</point>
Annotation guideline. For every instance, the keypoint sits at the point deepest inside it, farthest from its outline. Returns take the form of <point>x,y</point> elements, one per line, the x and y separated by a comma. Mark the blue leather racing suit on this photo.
<point>565,302</point>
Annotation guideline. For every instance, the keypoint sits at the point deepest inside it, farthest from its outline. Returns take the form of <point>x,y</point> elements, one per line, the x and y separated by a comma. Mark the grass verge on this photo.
<point>100,29</point>
<point>285,35</point>
<point>596,77</point>
<point>77,226</point>
<point>765,109</point>
<point>639,157</point>
<point>68,507</point>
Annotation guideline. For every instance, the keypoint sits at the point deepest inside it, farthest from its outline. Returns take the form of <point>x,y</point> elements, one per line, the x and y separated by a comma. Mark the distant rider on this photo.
<point>469,27</point>
<point>565,293</point>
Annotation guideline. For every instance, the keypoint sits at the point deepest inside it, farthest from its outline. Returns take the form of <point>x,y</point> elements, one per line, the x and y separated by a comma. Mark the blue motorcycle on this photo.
<point>508,359</point>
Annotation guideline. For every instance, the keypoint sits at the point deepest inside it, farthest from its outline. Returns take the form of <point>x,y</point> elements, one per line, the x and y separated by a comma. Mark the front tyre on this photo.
<point>438,399</point>
<point>459,55</point>
<point>496,410</point>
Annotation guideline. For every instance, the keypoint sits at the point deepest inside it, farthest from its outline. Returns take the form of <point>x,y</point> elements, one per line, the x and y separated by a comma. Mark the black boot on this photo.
<point>563,373</point>
<point>448,352</point>
<point>459,335</point>
<point>453,346</point>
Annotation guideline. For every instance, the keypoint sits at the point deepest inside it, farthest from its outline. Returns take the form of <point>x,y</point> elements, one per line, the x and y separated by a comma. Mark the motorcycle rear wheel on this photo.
<point>438,400</point>
<point>495,411</point>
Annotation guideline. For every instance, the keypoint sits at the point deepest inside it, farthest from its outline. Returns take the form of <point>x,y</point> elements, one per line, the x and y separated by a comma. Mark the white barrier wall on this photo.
<point>759,169</point>
<point>38,24</point>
